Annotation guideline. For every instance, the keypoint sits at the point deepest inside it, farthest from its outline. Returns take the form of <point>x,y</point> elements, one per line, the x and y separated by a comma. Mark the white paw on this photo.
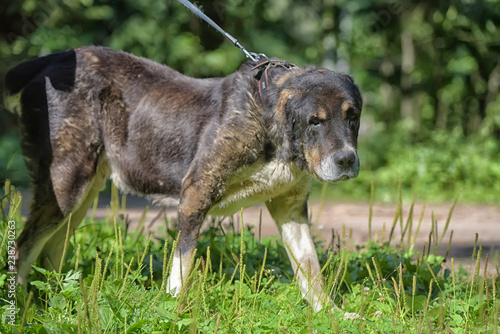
<point>174,286</point>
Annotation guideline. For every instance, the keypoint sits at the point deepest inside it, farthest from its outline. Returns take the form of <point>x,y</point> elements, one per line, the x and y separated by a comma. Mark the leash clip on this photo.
<point>253,56</point>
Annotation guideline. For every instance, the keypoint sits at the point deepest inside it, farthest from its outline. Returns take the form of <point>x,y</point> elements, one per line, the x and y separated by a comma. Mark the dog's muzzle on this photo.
<point>339,166</point>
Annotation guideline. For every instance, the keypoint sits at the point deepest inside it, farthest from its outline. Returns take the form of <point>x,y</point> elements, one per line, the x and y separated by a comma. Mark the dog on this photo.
<point>208,146</point>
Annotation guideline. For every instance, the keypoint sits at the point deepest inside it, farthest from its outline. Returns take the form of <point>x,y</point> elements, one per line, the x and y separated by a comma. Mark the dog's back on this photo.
<point>116,99</point>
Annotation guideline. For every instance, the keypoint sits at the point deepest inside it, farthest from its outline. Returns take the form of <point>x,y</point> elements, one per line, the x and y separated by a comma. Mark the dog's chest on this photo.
<point>256,184</point>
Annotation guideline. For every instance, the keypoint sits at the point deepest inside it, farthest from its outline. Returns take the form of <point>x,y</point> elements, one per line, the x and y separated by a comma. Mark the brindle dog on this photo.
<point>210,146</point>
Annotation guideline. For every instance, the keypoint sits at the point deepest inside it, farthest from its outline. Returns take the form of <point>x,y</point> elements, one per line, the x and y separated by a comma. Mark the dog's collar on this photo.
<point>263,68</point>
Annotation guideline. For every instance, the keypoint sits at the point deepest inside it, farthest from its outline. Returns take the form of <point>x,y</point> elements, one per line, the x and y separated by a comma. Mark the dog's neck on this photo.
<point>263,74</point>
<point>269,92</point>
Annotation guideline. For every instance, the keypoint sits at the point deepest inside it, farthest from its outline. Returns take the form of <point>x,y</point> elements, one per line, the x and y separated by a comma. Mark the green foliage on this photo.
<point>429,71</point>
<point>444,166</point>
<point>115,282</point>
<point>11,160</point>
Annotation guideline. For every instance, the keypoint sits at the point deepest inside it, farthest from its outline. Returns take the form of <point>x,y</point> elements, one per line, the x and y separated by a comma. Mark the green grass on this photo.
<point>113,281</point>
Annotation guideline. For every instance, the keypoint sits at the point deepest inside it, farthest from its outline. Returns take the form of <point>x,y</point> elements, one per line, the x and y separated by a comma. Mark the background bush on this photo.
<point>429,72</point>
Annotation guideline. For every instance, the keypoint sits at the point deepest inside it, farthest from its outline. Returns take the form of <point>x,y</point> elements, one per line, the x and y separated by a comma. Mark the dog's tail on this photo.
<point>26,95</point>
<point>25,83</point>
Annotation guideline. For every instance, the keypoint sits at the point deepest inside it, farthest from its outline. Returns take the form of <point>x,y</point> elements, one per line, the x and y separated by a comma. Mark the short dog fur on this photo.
<point>209,146</point>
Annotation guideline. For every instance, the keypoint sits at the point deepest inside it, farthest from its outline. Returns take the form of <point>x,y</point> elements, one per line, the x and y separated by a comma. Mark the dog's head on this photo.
<point>318,112</point>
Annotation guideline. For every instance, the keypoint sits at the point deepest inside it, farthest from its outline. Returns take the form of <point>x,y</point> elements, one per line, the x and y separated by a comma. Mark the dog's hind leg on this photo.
<point>45,230</point>
<point>290,214</point>
<point>61,142</point>
<point>51,255</point>
<point>42,222</point>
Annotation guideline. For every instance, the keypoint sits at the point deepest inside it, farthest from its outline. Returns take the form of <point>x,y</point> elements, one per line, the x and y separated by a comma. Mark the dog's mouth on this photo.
<point>340,178</point>
<point>343,178</point>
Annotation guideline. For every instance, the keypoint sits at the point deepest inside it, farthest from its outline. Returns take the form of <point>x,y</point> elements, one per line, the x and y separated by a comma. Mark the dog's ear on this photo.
<point>349,78</point>
<point>357,93</point>
<point>281,118</point>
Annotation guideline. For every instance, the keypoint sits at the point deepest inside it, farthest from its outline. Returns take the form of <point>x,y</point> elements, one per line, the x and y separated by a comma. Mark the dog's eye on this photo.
<point>315,121</point>
<point>353,120</point>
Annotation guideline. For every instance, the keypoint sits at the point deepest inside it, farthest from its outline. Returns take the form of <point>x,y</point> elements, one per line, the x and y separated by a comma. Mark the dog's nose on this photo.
<point>345,158</point>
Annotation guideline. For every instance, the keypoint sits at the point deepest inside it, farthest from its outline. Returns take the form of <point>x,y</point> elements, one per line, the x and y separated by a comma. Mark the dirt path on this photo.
<point>466,221</point>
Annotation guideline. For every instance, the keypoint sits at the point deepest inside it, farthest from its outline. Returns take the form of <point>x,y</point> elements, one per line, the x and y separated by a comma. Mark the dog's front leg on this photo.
<point>193,207</point>
<point>202,187</point>
<point>290,214</point>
